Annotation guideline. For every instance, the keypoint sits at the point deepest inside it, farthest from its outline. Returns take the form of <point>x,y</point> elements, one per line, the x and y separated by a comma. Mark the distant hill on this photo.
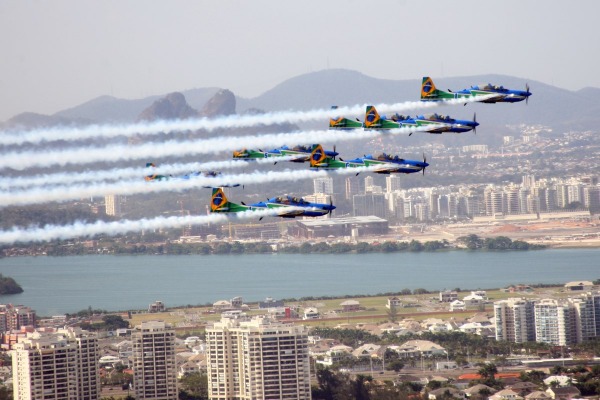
<point>108,109</point>
<point>560,109</point>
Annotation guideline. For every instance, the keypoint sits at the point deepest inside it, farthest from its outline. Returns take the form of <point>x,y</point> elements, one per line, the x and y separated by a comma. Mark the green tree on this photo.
<point>193,386</point>
<point>363,247</point>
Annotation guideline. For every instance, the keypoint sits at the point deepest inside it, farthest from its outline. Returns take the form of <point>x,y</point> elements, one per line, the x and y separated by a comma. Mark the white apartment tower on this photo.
<point>392,183</point>
<point>323,185</point>
<point>257,359</point>
<point>155,370</point>
<point>514,320</point>
<point>113,205</point>
<point>555,322</point>
<point>60,365</point>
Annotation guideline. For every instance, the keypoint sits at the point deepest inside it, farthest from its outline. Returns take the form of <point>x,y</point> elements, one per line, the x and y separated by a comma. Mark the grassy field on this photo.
<point>373,310</point>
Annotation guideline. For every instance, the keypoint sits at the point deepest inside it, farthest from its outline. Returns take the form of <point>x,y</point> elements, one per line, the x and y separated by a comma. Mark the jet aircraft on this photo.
<point>381,164</point>
<point>296,154</point>
<point>283,206</point>
<point>486,93</point>
<point>434,123</point>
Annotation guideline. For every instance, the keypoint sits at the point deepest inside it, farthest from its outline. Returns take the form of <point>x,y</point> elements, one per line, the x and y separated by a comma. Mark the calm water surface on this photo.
<point>55,285</point>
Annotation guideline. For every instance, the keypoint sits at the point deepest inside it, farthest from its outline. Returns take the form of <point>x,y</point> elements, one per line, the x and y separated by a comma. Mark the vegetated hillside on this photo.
<point>9,286</point>
<point>560,109</point>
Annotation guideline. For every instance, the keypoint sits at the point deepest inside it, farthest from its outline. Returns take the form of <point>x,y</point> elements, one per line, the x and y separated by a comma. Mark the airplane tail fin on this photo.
<point>317,156</point>
<point>151,177</point>
<point>372,117</point>
<point>220,203</point>
<point>428,89</point>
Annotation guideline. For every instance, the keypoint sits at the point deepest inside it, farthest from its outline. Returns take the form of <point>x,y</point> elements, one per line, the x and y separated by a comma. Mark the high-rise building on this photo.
<point>369,204</point>
<point>353,186</point>
<point>515,320</point>
<point>155,370</point>
<point>392,183</point>
<point>369,184</point>
<point>60,365</point>
<point>591,198</point>
<point>113,205</point>
<point>323,185</point>
<point>13,317</point>
<point>555,322</point>
<point>257,359</point>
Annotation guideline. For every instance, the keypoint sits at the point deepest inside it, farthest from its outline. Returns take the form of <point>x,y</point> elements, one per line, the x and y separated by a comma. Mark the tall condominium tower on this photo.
<point>61,365</point>
<point>555,322</point>
<point>257,359</point>
<point>515,320</point>
<point>155,370</point>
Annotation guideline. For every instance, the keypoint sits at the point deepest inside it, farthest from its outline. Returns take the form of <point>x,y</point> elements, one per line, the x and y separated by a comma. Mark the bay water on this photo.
<point>57,285</point>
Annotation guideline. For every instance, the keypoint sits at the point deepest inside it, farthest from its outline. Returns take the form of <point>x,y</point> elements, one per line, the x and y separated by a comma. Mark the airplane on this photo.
<point>489,93</point>
<point>344,123</point>
<point>298,153</point>
<point>283,206</point>
<point>434,123</point>
<point>382,164</point>
<point>188,176</point>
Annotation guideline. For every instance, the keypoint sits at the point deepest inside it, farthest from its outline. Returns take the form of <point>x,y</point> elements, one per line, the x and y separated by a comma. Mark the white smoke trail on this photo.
<point>89,155</point>
<point>39,195</point>
<point>236,121</point>
<point>116,174</point>
<point>82,229</point>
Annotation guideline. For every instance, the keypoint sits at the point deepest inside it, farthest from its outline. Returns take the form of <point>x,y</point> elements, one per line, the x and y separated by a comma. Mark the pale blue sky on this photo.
<point>58,54</point>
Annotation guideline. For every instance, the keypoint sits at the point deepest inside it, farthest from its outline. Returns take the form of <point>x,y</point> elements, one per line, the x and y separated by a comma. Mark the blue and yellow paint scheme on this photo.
<point>487,93</point>
<point>282,206</point>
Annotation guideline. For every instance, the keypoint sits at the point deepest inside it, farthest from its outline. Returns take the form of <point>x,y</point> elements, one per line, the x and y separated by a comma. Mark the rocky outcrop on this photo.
<point>172,106</point>
<point>222,103</point>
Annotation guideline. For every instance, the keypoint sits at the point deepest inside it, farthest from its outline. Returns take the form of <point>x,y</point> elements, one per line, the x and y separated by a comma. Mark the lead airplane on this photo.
<point>282,206</point>
<point>381,164</point>
<point>298,153</point>
<point>482,93</point>
<point>434,123</point>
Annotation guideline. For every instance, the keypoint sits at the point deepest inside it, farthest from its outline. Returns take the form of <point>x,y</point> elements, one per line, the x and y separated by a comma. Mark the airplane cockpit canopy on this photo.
<point>302,148</point>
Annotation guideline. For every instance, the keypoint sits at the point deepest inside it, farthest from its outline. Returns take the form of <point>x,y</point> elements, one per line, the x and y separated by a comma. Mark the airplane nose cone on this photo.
<point>331,207</point>
<point>475,123</point>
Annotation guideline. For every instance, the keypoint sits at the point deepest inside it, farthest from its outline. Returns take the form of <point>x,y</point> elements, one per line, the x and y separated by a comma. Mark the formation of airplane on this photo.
<point>282,206</point>
<point>381,164</point>
<point>434,123</point>
<point>486,93</point>
<point>298,153</point>
<point>291,207</point>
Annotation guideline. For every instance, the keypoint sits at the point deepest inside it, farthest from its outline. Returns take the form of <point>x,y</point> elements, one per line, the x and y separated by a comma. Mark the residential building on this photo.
<point>113,205</point>
<point>555,322</point>
<point>13,317</point>
<point>448,296</point>
<point>392,183</point>
<point>323,185</point>
<point>514,320</point>
<point>154,366</point>
<point>60,365</point>
<point>369,204</point>
<point>257,359</point>
<point>353,186</point>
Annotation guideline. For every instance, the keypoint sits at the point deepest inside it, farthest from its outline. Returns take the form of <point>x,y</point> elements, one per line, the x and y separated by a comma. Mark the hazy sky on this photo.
<point>58,54</point>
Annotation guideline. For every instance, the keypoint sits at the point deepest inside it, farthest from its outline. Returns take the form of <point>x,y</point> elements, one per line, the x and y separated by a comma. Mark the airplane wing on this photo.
<point>438,128</point>
<point>490,97</point>
<point>290,212</point>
